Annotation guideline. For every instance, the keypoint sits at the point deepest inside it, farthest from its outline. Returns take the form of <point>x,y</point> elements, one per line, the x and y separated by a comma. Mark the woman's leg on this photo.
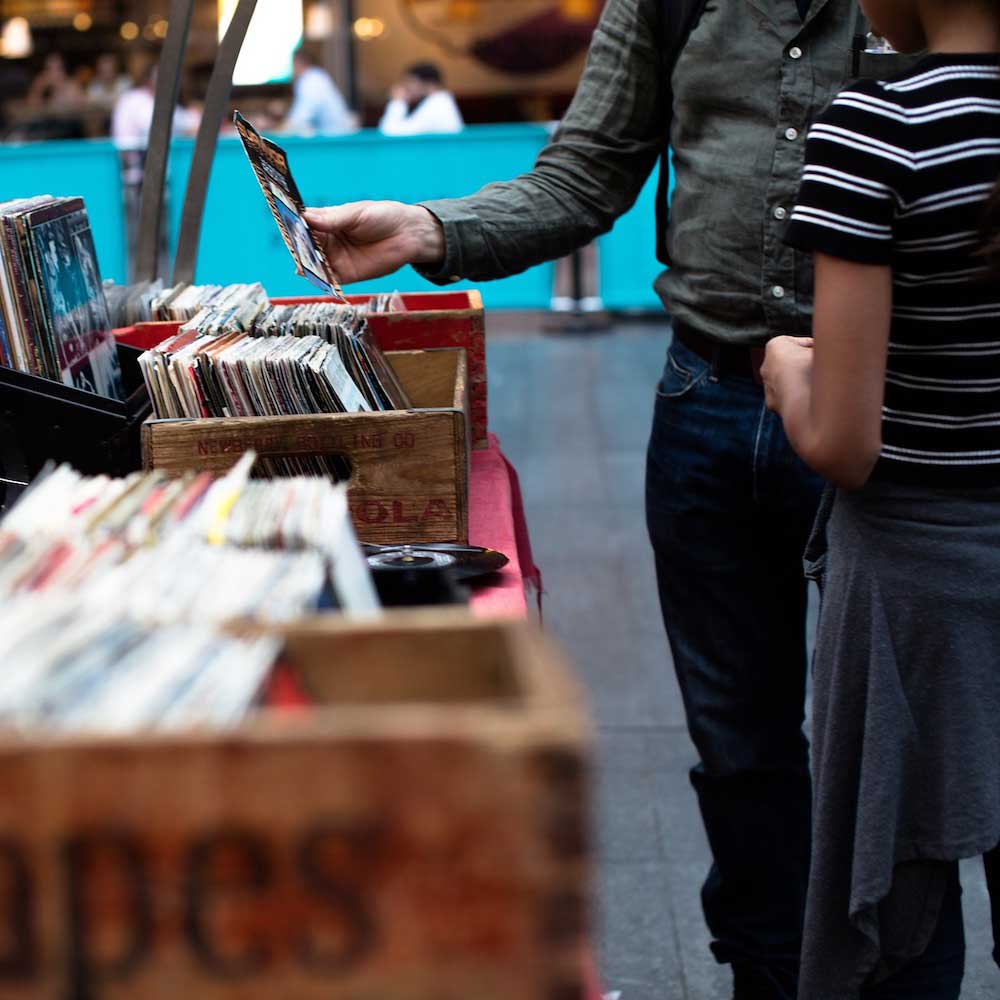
<point>937,973</point>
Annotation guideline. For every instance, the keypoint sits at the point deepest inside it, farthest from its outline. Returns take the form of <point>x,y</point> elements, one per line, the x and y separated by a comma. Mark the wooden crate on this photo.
<point>420,836</point>
<point>437,319</point>
<point>410,468</point>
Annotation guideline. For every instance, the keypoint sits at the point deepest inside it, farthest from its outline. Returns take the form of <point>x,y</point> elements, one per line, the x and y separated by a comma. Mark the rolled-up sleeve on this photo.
<point>586,177</point>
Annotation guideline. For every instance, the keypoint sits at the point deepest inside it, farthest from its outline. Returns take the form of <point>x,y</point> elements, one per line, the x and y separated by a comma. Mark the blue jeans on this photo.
<point>729,510</point>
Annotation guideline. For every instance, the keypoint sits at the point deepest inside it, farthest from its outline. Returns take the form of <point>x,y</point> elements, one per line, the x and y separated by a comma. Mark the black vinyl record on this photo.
<point>467,561</point>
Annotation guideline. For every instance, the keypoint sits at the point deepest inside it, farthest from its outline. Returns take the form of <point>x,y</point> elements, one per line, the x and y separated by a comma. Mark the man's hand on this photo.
<point>787,372</point>
<point>369,239</point>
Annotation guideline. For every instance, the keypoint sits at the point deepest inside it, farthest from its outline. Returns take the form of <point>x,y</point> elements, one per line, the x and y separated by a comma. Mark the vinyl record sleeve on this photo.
<point>73,310</point>
<point>270,165</point>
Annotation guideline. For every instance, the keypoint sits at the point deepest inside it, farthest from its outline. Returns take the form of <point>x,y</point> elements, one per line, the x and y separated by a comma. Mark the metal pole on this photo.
<point>350,56</point>
<point>220,87</point>
<point>154,177</point>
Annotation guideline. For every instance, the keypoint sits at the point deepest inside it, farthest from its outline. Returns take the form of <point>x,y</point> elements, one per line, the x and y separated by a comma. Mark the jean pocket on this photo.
<point>682,372</point>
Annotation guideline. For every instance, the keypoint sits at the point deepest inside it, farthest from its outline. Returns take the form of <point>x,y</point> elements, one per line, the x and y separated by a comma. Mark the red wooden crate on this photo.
<point>145,336</point>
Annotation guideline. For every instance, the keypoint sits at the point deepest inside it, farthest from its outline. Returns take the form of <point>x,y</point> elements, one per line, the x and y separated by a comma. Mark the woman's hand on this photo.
<point>787,372</point>
<point>369,239</point>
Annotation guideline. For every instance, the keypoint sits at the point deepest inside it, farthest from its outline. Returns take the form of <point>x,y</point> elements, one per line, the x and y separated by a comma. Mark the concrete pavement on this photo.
<point>573,415</point>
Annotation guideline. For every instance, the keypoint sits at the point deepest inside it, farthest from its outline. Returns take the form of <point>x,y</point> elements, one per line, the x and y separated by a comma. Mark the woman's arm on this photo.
<point>829,392</point>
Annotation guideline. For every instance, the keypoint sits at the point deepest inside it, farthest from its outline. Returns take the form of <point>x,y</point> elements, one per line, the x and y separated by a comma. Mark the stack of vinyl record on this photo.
<point>113,593</point>
<point>54,320</point>
<point>151,301</point>
<point>272,361</point>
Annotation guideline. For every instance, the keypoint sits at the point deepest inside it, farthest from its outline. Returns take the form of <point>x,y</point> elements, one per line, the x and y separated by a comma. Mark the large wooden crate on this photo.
<point>410,468</point>
<point>437,319</point>
<point>421,835</point>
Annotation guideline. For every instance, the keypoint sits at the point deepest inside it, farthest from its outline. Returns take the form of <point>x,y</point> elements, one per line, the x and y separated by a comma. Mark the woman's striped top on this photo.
<point>898,173</point>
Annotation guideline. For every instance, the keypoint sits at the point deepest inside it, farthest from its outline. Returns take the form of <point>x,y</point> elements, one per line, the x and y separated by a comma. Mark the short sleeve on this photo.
<point>855,163</point>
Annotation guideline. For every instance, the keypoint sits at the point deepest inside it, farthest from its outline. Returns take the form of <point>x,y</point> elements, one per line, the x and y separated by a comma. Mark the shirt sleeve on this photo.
<point>856,162</point>
<point>589,174</point>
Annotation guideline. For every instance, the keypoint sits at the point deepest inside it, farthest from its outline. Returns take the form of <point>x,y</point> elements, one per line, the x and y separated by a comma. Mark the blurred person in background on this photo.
<point>53,88</point>
<point>420,104</point>
<point>108,82</point>
<point>15,82</point>
<point>133,114</point>
<point>318,107</point>
<point>131,122</point>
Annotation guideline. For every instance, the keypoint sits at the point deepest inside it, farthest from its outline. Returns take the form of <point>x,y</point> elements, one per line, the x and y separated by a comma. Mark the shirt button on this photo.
<point>780,213</point>
<point>778,292</point>
<point>795,52</point>
<point>791,134</point>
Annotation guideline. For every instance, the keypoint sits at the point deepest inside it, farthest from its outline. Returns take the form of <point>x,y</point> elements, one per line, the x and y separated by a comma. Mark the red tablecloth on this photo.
<point>496,521</point>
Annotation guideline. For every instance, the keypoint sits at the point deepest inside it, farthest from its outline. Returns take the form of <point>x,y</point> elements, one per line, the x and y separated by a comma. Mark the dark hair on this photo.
<point>428,72</point>
<point>305,55</point>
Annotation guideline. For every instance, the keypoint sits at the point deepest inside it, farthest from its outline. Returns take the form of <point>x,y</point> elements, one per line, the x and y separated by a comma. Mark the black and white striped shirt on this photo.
<point>898,172</point>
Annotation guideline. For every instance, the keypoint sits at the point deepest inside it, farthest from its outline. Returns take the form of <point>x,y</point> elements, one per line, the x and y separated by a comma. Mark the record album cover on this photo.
<point>270,165</point>
<point>73,307</point>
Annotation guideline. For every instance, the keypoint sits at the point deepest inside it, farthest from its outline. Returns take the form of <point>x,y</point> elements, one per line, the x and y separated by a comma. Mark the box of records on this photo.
<point>308,388</point>
<point>419,833</point>
<point>292,806</point>
<point>67,390</point>
<point>421,320</point>
<point>147,314</point>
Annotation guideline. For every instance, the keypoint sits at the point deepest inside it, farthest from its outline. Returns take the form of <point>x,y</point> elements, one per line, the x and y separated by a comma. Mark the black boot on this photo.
<point>753,982</point>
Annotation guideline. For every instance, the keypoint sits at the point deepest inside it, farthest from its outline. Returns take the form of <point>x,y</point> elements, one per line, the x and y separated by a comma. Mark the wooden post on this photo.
<point>216,105</point>
<point>168,83</point>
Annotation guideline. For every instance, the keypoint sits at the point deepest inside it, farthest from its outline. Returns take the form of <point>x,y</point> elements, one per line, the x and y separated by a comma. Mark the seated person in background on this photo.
<point>107,83</point>
<point>132,117</point>
<point>318,108</point>
<point>53,88</point>
<point>420,104</point>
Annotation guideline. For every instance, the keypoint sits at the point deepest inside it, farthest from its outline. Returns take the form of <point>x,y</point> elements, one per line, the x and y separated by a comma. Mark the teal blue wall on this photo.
<point>89,169</point>
<point>240,241</point>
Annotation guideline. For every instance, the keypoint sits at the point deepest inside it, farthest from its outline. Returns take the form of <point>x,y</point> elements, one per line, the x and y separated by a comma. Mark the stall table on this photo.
<point>496,521</point>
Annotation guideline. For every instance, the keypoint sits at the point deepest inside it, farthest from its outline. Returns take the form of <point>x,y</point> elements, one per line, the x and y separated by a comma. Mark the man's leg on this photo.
<point>729,511</point>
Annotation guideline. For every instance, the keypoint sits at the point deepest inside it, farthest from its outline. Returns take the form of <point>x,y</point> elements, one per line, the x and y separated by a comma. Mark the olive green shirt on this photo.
<point>750,80</point>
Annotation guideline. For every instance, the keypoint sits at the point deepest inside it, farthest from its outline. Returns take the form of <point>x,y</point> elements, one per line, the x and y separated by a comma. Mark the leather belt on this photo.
<point>725,359</point>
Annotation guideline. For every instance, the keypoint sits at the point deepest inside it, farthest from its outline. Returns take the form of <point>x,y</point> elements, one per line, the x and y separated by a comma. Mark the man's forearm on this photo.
<point>585,178</point>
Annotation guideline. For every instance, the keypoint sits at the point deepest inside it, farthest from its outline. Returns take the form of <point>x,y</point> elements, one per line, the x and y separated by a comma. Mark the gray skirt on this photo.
<point>906,721</point>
